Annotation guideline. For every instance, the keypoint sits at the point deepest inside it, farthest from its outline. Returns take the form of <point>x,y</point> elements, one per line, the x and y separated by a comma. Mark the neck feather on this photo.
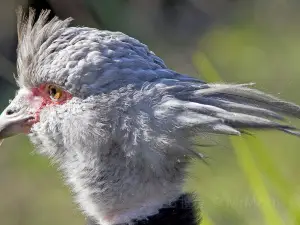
<point>182,211</point>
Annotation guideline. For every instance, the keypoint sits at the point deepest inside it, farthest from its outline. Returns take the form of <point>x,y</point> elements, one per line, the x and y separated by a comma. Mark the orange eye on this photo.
<point>54,92</point>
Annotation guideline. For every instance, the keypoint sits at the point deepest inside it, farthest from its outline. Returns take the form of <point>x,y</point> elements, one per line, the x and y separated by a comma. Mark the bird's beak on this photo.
<point>13,124</point>
<point>18,117</point>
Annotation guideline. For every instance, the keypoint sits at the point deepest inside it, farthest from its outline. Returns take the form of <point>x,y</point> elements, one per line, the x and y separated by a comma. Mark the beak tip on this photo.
<point>11,126</point>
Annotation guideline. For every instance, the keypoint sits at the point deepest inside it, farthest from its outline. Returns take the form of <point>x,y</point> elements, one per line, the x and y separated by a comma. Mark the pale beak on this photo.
<point>13,123</point>
<point>18,117</point>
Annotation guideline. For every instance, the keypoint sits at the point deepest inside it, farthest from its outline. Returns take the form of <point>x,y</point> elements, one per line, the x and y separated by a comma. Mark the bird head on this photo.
<point>63,71</point>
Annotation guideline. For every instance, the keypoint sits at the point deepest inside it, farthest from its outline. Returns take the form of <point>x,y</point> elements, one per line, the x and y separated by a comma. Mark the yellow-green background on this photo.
<point>252,180</point>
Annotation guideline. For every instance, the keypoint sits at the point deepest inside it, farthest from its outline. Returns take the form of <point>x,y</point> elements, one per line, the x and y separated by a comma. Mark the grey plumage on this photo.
<point>123,141</point>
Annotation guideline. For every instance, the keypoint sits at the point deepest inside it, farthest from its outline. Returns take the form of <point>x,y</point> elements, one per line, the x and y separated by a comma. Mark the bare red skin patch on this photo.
<point>42,92</point>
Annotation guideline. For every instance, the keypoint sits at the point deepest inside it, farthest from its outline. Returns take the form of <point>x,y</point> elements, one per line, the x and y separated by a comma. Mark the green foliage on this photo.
<point>273,193</point>
<point>249,180</point>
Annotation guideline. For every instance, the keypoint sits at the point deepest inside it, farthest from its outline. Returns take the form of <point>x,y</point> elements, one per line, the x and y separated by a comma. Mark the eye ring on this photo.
<point>54,92</point>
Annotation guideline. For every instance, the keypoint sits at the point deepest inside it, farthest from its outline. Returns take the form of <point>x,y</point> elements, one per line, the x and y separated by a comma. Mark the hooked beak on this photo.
<point>17,118</point>
<point>13,123</point>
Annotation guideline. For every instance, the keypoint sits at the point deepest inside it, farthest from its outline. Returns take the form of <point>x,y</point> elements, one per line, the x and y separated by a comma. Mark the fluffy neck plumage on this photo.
<point>112,190</point>
<point>180,212</point>
<point>115,178</point>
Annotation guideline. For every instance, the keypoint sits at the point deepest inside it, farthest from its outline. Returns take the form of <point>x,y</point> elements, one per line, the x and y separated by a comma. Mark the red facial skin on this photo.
<point>42,92</point>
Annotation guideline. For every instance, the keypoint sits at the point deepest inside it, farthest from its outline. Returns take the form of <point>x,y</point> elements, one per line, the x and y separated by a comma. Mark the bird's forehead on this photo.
<point>86,60</point>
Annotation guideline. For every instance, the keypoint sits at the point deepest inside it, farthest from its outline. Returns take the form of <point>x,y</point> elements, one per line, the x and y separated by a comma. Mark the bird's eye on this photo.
<point>54,92</point>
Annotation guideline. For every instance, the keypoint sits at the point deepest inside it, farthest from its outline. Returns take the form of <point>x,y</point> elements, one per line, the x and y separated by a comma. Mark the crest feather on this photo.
<point>32,35</point>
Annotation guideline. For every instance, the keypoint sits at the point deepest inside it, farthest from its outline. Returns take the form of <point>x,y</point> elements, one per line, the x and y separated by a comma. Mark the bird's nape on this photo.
<point>119,123</point>
<point>231,108</point>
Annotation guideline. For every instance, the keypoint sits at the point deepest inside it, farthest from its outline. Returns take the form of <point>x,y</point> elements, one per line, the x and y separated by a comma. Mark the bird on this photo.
<point>119,124</point>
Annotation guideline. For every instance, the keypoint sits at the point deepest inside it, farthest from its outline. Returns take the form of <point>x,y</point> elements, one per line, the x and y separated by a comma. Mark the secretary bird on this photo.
<point>119,123</point>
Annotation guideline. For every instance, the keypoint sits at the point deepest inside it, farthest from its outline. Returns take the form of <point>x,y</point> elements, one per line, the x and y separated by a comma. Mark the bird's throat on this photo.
<point>182,211</point>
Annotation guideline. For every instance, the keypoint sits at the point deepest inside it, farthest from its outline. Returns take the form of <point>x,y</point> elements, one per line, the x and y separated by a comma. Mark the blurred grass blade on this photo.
<point>244,155</point>
<point>255,180</point>
<point>204,66</point>
<point>206,220</point>
<point>283,188</point>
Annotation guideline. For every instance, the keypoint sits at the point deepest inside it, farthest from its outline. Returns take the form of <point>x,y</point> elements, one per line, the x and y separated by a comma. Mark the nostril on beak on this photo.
<point>10,112</point>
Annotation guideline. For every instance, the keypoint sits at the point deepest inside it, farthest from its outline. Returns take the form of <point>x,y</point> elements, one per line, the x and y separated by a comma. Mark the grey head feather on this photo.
<point>31,37</point>
<point>125,138</point>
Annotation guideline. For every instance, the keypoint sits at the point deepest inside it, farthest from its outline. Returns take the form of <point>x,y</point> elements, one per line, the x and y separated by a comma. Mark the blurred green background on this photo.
<point>249,180</point>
